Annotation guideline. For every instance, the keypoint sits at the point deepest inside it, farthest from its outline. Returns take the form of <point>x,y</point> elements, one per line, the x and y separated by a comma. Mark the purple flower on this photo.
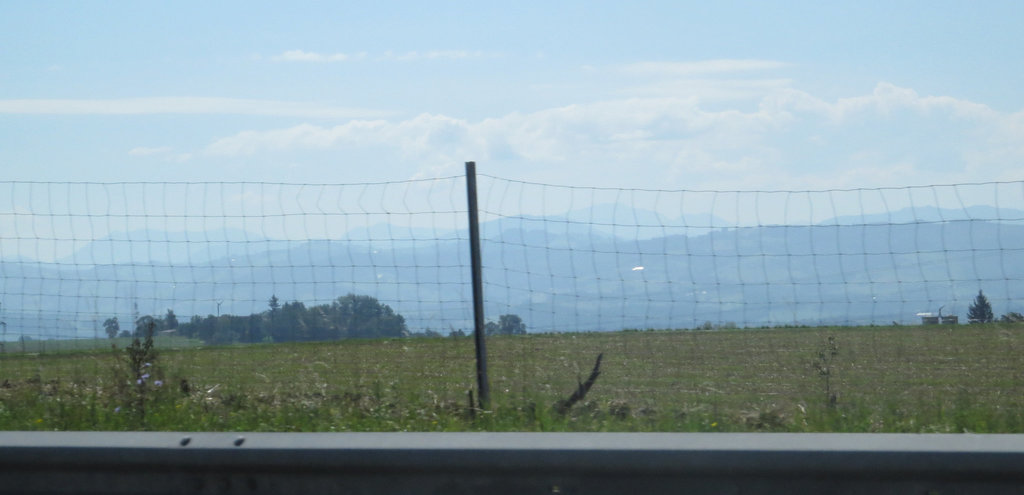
<point>159,383</point>
<point>147,365</point>
<point>146,376</point>
<point>117,409</point>
<point>138,382</point>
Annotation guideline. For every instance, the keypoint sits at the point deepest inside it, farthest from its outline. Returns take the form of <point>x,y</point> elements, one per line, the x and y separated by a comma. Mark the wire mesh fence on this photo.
<point>563,258</point>
<point>78,255</point>
<point>578,258</point>
<point>211,265</point>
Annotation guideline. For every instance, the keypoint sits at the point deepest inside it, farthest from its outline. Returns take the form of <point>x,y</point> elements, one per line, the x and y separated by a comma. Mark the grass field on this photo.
<point>880,379</point>
<point>49,346</point>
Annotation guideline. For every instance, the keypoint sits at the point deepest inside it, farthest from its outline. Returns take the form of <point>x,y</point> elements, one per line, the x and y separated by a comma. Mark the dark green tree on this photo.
<point>365,317</point>
<point>511,325</point>
<point>191,327</point>
<point>506,325</point>
<point>319,325</point>
<point>980,311</point>
<point>112,327</point>
<point>254,329</point>
<point>289,324</point>
<point>171,320</point>
<point>205,328</point>
<point>146,323</point>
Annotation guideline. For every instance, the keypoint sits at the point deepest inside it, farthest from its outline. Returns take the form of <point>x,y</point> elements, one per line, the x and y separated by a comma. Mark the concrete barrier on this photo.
<point>496,463</point>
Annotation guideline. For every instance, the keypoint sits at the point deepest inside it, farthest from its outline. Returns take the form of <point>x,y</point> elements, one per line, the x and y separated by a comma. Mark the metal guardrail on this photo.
<point>495,463</point>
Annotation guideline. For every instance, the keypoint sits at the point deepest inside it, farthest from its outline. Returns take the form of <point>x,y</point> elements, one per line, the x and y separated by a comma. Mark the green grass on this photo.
<point>899,379</point>
<point>72,345</point>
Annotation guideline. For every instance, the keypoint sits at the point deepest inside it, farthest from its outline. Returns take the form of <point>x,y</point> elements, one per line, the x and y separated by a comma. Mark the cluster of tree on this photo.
<point>434,334</point>
<point>980,311</point>
<point>350,316</point>
<point>506,325</point>
<point>168,322</point>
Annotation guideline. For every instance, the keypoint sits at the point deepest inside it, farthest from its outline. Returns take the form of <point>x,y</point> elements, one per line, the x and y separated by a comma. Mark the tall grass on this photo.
<point>899,379</point>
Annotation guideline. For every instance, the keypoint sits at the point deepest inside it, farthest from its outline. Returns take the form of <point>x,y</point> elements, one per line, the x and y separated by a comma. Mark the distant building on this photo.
<point>930,319</point>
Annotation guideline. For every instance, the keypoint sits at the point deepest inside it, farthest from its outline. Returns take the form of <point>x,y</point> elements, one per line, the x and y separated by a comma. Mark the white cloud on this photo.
<point>303,56</point>
<point>183,105</point>
<point>888,97</point>
<point>791,139</point>
<point>709,90</point>
<point>707,80</point>
<point>420,135</point>
<point>615,134</point>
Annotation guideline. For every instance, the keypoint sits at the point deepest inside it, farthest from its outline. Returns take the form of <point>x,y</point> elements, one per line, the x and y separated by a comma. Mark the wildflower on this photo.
<point>146,376</point>
<point>159,383</point>
<point>714,424</point>
<point>117,409</point>
<point>139,381</point>
<point>146,365</point>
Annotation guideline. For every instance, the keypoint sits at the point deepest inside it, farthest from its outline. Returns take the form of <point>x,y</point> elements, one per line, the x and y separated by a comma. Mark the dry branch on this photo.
<point>582,389</point>
<point>472,405</point>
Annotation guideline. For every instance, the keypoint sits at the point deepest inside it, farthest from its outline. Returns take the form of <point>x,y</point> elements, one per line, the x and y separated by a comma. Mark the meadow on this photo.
<point>967,378</point>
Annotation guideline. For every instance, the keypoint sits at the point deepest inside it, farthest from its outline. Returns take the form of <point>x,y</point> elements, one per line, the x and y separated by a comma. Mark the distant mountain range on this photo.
<point>605,268</point>
<point>927,214</point>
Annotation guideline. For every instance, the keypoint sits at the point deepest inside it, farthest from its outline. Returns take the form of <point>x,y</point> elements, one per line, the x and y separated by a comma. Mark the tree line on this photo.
<point>348,317</point>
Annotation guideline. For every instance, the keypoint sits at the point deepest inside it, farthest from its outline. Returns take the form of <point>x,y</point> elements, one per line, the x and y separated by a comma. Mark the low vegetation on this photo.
<point>965,378</point>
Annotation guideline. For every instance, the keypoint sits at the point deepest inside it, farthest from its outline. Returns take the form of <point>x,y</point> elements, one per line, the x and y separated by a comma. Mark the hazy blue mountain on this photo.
<point>154,246</point>
<point>931,214</point>
<point>624,221</point>
<point>385,232</point>
<point>556,273</point>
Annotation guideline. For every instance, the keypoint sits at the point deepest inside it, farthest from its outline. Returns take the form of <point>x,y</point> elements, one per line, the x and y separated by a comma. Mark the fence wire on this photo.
<point>561,258</point>
<point>212,265</point>
<point>580,259</point>
<point>75,255</point>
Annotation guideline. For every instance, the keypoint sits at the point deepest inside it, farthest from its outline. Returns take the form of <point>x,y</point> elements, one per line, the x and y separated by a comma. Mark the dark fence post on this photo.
<point>483,386</point>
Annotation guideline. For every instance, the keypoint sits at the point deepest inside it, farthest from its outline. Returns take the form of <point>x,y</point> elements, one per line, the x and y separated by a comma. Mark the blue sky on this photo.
<point>680,95</point>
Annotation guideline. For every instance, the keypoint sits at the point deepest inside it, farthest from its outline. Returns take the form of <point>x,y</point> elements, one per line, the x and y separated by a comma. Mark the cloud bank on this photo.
<point>303,56</point>
<point>891,136</point>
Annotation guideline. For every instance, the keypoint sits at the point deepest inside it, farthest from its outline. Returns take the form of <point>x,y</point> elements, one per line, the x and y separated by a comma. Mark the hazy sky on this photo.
<point>682,95</point>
